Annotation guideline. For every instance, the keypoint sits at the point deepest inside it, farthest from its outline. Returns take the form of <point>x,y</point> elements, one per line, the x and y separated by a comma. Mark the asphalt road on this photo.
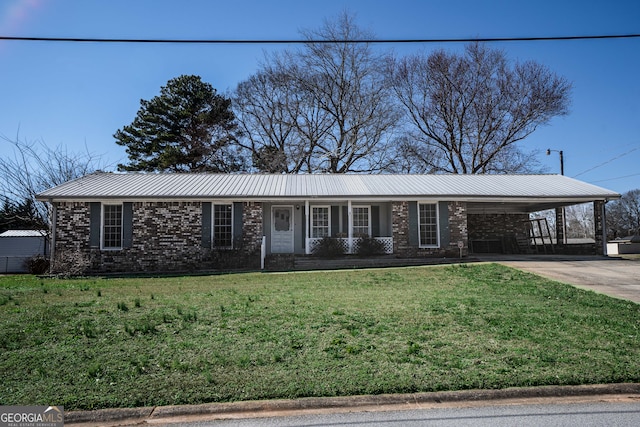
<point>549,415</point>
<point>616,277</point>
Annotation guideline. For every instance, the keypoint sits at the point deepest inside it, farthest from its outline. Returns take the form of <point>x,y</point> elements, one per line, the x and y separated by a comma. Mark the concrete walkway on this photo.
<point>616,277</point>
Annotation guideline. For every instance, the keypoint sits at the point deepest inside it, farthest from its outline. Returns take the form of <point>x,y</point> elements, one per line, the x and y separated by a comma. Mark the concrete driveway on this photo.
<point>616,277</point>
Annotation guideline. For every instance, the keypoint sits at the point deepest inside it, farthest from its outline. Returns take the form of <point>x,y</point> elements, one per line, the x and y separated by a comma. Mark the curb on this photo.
<point>227,410</point>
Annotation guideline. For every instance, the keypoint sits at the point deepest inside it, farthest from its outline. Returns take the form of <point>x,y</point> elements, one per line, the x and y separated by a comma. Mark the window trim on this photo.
<point>311,226</point>
<point>213,225</point>
<point>102,227</point>
<point>437,225</point>
<point>353,225</point>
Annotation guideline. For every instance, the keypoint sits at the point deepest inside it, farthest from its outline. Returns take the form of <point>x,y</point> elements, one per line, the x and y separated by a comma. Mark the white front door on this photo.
<point>282,229</point>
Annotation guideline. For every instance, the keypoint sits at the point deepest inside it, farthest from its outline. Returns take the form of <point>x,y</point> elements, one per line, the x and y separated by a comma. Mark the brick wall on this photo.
<point>400,228</point>
<point>458,226</point>
<point>498,231</point>
<point>72,226</point>
<point>402,246</point>
<point>253,228</point>
<point>599,225</point>
<point>166,237</point>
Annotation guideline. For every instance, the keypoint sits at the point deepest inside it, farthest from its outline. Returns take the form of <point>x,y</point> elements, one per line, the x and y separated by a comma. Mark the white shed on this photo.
<point>17,246</point>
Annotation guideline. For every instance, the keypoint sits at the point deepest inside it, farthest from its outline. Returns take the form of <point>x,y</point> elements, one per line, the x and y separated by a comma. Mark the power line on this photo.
<point>299,41</point>
<point>619,177</point>
<point>608,161</point>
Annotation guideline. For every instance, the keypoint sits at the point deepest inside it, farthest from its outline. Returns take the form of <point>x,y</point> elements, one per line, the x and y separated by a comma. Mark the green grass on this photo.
<point>96,343</point>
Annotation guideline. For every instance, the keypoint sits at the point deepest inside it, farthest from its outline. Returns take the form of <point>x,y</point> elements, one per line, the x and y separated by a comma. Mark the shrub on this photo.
<point>37,264</point>
<point>70,263</point>
<point>234,259</point>
<point>368,246</point>
<point>328,248</point>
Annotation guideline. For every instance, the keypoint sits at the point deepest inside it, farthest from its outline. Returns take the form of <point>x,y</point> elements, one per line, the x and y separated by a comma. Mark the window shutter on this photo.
<point>345,219</point>
<point>95,212</point>
<point>237,223</point>
<point>375,221</point>
<point>335,221</point>
<point>443,224</point>
<point>413,224</point>
<point>206,225</point>
<point>127,224</point>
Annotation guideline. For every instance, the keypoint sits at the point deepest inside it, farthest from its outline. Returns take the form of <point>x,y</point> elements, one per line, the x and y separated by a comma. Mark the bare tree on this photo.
<point>280,126</point>
<point>470,110</point>
<point>325,108</point>
<point>623,215</point>
<point>30,167</point>
<point>580,221</point>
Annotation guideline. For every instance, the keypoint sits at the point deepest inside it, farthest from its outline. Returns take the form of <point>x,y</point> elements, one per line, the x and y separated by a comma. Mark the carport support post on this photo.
<point>560,227</point>
<point>600,227</point>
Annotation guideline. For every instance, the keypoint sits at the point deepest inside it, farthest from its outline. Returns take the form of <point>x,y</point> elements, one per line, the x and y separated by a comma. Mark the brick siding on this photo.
<point>457,213</point>
<point>497,231</point>
<point>253,228</point>
<point>400,228</point>
<point>166,237</point>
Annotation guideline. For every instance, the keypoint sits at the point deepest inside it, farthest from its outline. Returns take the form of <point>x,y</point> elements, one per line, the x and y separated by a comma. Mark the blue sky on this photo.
<point>79,94</point>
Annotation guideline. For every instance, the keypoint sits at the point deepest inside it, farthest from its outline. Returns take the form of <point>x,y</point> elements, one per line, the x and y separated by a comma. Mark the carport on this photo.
<point>509,227</point>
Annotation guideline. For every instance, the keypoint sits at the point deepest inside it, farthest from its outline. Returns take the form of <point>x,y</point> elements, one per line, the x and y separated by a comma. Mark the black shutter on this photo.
<point>335,221</point>
<point>127,224</point>
<point>345,220</point>
<point>375,221</point>
<point>237,223</point>
<point>206,225</point>
<point>413,224</point>
<point>95,212</point>
<point>443,224</point>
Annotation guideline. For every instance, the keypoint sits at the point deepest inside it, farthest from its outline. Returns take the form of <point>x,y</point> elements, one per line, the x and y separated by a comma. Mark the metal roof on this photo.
<point>194,186</point>
<point>24,233</point>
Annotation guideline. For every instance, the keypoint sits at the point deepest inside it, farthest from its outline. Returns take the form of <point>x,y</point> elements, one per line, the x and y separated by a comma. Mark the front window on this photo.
<point>428,213</point>
<point>112,226</point>
<point>319,221</point>
<point>222,226</point>
<point>361,221</point>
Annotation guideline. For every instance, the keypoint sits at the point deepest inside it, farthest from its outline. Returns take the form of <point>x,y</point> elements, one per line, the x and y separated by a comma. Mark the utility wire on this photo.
<point>299,41</point>
<point>619,177</point>
<point>608,161</point>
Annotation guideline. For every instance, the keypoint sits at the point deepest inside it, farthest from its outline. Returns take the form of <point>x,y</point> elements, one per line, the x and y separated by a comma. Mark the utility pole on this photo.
<point>561,159</point>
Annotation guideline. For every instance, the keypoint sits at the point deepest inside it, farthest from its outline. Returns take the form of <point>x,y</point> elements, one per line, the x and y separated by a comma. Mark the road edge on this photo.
<point>158,414</point>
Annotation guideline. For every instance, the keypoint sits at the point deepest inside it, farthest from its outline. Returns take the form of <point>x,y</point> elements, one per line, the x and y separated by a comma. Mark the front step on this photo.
<point>288,262</point>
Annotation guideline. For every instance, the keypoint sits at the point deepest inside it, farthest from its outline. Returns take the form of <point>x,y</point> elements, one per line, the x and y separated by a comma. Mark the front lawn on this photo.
<point>95,343</point>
